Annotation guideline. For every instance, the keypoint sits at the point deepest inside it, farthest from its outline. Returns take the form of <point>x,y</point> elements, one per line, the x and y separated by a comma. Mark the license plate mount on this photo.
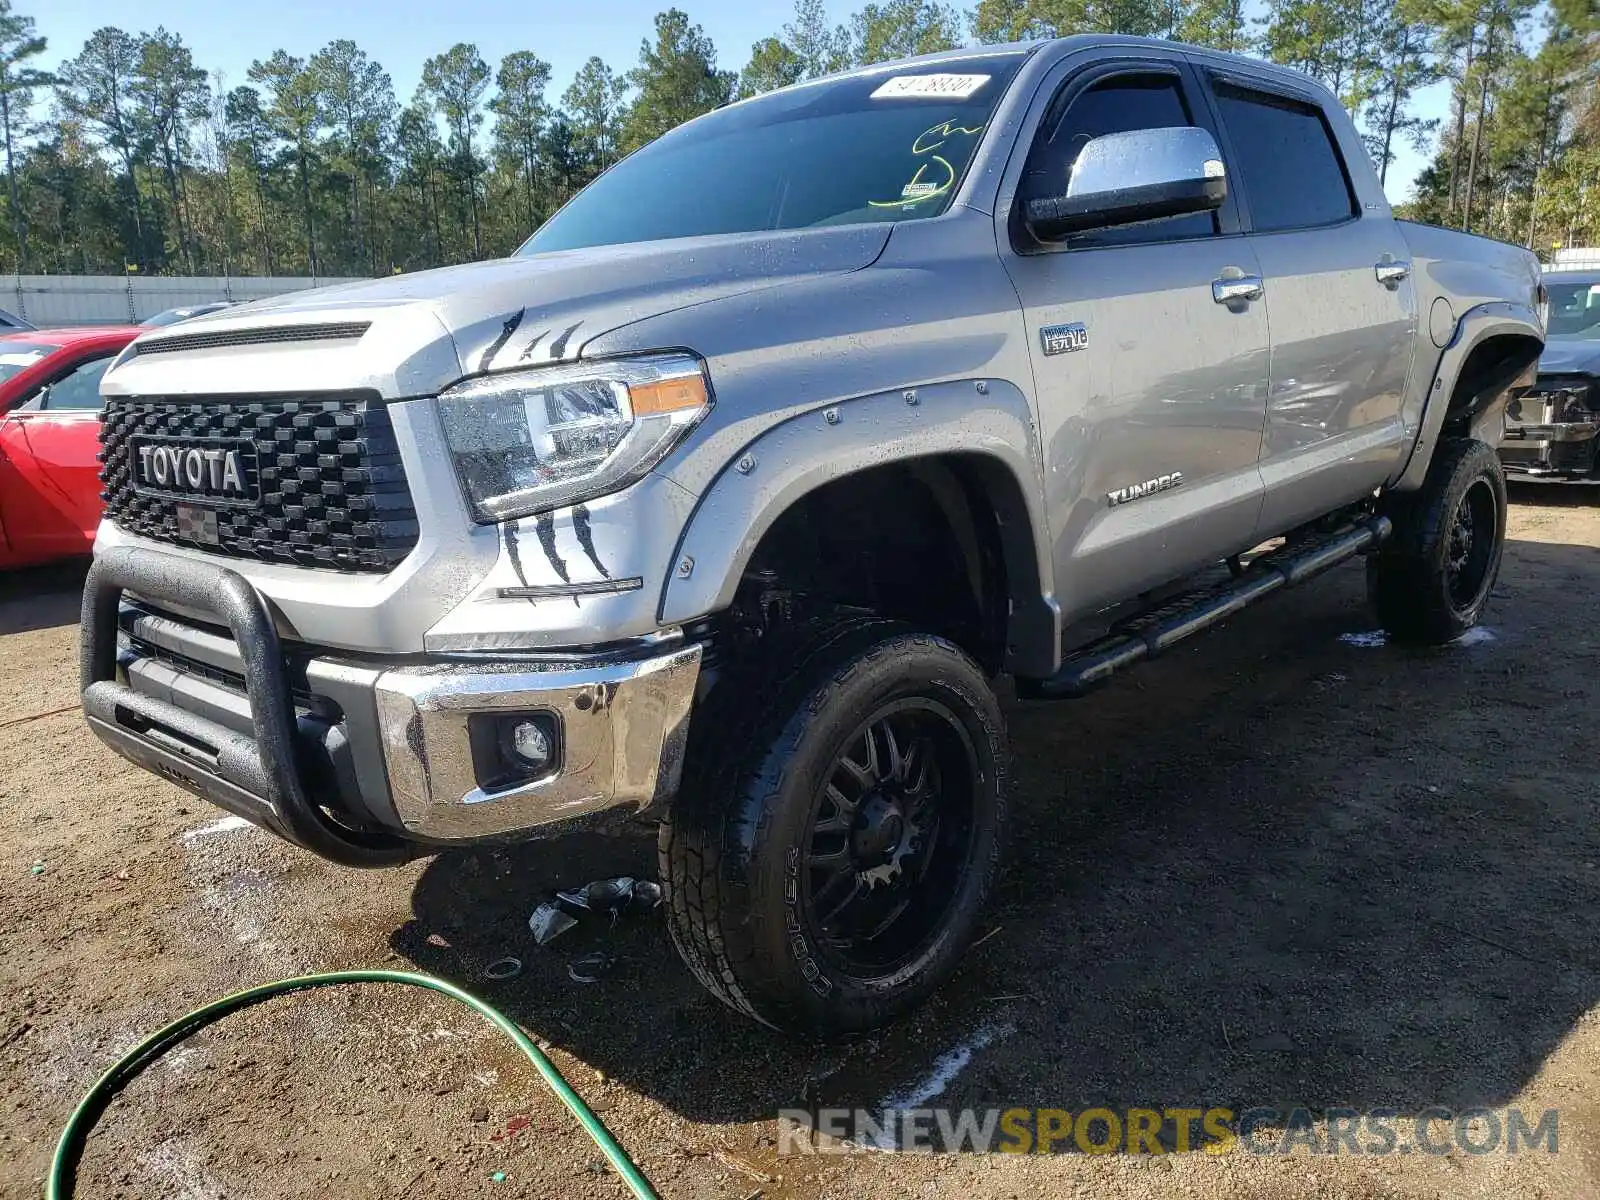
<point>197,524</point>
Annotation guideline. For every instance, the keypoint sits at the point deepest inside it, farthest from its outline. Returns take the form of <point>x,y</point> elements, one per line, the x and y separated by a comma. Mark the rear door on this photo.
<point>49,475</point>
<point>1141,374</point>
<point>1340,300</point>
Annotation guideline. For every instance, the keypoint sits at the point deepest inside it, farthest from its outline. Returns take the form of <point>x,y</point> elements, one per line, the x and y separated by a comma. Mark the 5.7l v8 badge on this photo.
<point>1063,339</point>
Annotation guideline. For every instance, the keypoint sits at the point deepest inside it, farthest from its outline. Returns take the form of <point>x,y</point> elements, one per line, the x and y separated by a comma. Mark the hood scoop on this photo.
<point>216,339</point>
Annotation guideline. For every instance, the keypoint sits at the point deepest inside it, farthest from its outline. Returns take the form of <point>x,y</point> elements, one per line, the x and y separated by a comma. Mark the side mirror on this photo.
<point>1125,178</point>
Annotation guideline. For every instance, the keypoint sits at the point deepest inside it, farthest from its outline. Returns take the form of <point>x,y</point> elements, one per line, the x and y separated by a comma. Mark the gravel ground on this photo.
<point>1275,868</point>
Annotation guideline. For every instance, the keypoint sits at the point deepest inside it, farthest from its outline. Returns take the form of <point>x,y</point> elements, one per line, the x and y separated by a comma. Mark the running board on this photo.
<point>1149,633</point>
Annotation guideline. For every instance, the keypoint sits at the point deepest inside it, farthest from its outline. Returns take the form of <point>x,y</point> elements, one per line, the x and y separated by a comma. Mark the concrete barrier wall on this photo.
<point>52,300</point>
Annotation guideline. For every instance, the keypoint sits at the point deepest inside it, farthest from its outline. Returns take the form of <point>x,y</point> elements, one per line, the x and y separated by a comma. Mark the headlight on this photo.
<point>527,441</point>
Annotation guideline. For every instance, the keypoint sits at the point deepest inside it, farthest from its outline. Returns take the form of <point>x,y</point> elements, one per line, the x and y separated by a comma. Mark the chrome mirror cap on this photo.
<point>1139,175</point>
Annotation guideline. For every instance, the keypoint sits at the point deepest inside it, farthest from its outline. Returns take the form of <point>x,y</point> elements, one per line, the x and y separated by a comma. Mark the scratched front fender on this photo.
<point>577,576</point>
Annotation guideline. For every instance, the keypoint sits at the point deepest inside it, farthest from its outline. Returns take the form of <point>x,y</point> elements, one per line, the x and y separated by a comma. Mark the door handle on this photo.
<point>1240,287</point>
<point>1390,272</point>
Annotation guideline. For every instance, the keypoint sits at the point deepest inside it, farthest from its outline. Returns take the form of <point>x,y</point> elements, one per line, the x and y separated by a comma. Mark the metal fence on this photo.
<point>50,300</point>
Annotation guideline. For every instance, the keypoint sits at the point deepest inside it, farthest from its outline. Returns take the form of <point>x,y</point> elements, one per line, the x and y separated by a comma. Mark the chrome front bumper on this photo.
<point>364,761</point>
<point>623,727</point>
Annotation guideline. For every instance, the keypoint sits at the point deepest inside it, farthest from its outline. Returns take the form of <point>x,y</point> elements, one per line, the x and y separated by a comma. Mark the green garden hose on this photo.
<point>64,1166</point>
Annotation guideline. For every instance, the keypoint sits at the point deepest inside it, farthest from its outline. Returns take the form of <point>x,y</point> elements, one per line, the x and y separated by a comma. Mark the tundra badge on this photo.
<point>1137,491</point>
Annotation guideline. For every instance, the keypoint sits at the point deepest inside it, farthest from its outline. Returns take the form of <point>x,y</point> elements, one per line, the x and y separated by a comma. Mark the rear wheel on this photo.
<point>1431,580</point>
<point>828,856</point>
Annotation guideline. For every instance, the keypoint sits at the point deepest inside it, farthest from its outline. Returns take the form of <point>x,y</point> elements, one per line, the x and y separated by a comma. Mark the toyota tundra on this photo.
<point>728,498</point>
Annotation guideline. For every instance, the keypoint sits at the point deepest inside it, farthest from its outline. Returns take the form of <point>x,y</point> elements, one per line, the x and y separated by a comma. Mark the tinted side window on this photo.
<point>1293,175</point>
<point>1115,105</point>
<point>79,389</point>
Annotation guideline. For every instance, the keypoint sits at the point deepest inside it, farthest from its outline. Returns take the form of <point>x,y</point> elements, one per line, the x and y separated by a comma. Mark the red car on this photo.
<point>49,434</point>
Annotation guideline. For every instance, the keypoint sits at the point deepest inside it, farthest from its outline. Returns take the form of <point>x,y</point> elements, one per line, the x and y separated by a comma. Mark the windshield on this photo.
<point>1573,311</point>
<point>17,357</point>
<point>891,146</point>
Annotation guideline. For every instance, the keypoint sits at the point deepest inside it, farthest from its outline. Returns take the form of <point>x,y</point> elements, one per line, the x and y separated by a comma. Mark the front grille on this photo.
<point>327,470</point>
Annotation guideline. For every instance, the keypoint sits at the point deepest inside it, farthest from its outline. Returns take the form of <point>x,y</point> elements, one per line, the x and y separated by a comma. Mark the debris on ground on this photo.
<point>733,1162</point>
<point>613,897</point>
<point>502,969</point>
<point>38,867</point>
<point>606,897</point>
<point>549,921</point>
<point>516,1125</point>
<point>589,968</point>
<point>1370,639</point>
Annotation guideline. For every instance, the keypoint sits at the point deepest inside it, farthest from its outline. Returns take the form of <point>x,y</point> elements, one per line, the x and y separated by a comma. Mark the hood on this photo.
<point>1580,356</point>
<point>410,335</point>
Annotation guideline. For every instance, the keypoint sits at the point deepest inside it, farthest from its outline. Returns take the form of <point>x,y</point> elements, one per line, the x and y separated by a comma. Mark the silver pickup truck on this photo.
<point>728,498</point>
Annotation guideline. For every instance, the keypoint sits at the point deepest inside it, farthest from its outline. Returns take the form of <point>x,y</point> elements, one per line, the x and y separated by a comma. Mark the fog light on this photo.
<point>511,749</point>
<point>531,744</point>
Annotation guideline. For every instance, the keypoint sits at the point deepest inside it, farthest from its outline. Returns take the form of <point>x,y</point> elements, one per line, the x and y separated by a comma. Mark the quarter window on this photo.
<point>1293,175</point>
<point>1115,105</point>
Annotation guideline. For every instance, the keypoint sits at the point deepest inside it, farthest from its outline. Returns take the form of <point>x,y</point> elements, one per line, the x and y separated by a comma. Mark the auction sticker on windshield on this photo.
<point>929,87</point>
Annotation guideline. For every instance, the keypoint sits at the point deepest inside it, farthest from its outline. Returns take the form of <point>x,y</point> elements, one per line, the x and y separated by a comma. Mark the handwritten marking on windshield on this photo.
<point>919,190</point>
<point>943,131</point>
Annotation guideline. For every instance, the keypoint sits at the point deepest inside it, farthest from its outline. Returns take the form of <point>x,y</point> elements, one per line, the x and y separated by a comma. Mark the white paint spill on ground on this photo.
<point>68,1055</point>
<point>1476,636</point>
<point>178,1059</point>
<point>178,1167</point>
<point>225,825</point>
<point>945,1069</point>
<point>1369,640</point>
<point>240,901</point>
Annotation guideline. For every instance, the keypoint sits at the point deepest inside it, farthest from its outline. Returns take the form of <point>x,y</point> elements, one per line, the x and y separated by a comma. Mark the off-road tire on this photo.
<point>1409,579</point>
<point>730,851</point>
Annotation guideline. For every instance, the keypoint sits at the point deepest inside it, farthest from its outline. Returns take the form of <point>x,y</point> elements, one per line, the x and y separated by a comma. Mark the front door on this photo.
<point>1151,392</point>
<point>49,476</point>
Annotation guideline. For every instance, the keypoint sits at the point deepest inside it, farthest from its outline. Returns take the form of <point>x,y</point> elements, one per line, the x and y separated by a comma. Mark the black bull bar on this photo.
<point>258,778</point>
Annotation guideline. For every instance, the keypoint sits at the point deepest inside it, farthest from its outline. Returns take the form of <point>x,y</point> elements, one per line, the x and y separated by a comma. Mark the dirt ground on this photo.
<point>1275,868</point>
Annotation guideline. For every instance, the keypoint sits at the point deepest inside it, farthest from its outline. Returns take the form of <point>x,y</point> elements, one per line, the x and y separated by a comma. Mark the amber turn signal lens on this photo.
<point>668,395</point>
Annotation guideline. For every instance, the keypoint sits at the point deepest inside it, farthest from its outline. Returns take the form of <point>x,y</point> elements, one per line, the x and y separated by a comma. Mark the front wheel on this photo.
<point>828,857</point>
<point>1431,580</point>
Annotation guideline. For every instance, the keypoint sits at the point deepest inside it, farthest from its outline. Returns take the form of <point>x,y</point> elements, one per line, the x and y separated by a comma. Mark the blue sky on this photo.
<point>226,35</point>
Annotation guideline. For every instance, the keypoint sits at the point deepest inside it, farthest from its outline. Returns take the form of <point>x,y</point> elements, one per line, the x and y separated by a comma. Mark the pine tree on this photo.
<point>676,80</point>
<point>772,65</point>
<point>520,117</point>
<point>594,107</point>
<point>456,81</point>
<point>18,83</point>
<point>96,90</point>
